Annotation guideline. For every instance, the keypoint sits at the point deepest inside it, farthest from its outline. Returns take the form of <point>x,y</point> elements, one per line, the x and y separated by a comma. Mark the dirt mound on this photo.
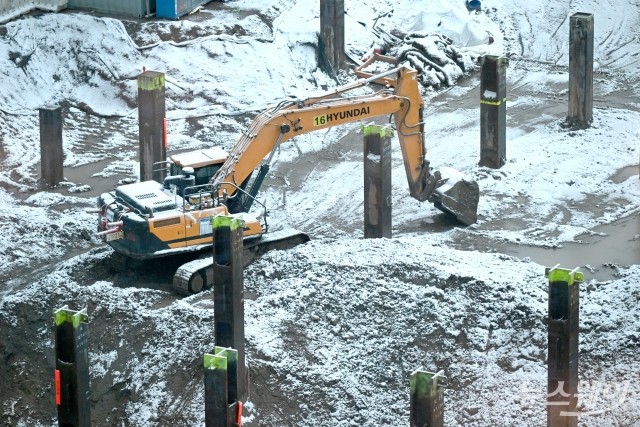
<point>334,328</point>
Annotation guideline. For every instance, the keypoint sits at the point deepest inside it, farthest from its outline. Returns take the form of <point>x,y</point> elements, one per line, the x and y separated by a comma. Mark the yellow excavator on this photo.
<point>148,219</point>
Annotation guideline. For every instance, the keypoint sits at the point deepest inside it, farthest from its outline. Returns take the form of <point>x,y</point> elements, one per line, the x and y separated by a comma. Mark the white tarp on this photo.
<point>10,9</point>
<point>443,17</point>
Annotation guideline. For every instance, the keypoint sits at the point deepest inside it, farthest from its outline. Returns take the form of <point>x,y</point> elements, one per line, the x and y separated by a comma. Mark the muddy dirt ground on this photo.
<point>128,323</point>
<point>31,397</point>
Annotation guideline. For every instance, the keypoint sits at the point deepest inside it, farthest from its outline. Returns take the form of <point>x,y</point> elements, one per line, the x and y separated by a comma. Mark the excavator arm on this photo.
<point>292,118</point>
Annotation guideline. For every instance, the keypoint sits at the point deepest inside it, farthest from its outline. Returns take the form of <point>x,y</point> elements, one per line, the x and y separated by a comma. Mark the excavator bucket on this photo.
<point>456,194</point>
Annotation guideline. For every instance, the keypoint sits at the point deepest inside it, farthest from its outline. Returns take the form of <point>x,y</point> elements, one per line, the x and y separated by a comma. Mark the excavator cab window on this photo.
<point>202,174</point>
<point>205,173</point>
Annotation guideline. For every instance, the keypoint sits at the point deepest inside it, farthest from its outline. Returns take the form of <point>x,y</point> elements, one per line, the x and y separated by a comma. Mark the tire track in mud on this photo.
<point>560,52</point>
<point>620,36</point>
<point>614,36</point>
<point>24,153</point>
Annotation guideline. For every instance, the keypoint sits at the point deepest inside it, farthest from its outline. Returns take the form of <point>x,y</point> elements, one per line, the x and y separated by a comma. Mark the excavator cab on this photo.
<point>205,163</point>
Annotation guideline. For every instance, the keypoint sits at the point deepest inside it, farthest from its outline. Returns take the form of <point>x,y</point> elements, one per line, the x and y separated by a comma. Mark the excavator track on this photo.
<point>197,275</point>
<point>120,263</point>
<point>194,276</point>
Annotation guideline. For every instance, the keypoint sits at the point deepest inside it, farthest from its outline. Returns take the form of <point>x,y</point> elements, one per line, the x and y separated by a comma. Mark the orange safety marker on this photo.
<point>58,394</point>
<point>239,419</point>
<point>164,133</point>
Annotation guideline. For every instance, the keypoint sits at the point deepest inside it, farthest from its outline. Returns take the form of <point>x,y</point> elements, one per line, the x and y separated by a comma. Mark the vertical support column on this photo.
<point>562,384</point>
<point>221,405</point>
<point>51,154</point>
<point>331,43</point>
<point>72,368</point>
<point>427,399</point>
<point>493,111</point>
<point>228,292</point>
<point>580,70</point>
<point>151,115</point>
<point>377,181</point>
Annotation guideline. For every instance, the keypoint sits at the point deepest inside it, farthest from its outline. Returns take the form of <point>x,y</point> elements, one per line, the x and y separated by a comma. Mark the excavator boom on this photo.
<point>451,192</point>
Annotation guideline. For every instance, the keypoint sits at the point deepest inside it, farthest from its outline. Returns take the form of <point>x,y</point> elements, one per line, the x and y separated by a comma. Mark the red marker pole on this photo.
<point>239,419</point>
<point>164,134</point>
<point>58,394</point>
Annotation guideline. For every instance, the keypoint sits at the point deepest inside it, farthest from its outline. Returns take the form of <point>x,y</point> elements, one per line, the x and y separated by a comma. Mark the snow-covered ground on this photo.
<point>336,325</point>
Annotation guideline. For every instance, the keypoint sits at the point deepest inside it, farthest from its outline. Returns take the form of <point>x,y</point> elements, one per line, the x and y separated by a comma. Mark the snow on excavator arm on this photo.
<point>292,118</point>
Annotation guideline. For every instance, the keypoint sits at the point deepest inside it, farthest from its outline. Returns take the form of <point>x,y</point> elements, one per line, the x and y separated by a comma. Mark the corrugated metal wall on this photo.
<point>10,9</point>
<point>137,8</point>
<point>173,9</point>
